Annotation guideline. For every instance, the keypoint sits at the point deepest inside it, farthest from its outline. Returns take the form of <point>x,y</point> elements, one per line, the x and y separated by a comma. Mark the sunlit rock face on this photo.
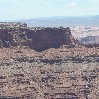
<point>38,39</point>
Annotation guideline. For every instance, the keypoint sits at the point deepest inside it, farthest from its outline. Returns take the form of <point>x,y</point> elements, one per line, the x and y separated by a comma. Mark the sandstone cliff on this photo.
<point>38,39</point>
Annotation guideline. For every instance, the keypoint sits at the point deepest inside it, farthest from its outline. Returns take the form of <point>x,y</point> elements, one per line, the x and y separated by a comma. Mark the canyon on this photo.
<point>46,63</point>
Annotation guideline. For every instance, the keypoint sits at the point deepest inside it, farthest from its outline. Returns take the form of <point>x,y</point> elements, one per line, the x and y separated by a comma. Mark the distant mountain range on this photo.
<point>63,21</point>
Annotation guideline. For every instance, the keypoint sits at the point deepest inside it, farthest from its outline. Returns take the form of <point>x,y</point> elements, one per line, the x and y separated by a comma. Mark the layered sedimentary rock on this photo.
<point>38,39</point>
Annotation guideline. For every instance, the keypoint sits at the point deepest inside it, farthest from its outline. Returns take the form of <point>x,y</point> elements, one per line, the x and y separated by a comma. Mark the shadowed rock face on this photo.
<point>48,38</point>
<point>38,39</point>
<point>5,38</point>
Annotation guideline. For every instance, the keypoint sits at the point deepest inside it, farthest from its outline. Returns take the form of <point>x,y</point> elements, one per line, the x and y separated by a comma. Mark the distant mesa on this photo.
<point>90,40</point>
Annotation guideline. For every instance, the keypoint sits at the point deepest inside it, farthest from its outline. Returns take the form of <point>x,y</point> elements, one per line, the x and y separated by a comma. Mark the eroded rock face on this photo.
<point>48,38</point>
<point>38,39</point>
<point>37,80</point>
<point>61,73</point>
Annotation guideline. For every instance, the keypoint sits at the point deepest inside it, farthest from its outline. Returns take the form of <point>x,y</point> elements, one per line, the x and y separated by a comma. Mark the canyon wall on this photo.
<point>38,39</point>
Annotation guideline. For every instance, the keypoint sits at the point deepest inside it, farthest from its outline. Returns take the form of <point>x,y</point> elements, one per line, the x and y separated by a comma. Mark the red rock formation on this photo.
<point>38,39</point>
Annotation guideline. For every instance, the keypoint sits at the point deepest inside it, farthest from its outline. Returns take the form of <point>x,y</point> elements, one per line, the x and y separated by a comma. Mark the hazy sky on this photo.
<point>22,9</point>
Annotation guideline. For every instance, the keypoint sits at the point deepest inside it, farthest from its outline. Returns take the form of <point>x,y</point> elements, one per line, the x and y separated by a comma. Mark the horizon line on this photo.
<point>22,19</point>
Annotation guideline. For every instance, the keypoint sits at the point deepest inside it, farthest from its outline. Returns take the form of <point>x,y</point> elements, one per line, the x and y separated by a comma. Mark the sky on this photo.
<point>27,9</point>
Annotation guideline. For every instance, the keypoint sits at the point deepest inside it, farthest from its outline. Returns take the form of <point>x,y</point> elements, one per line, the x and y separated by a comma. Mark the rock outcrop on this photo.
<point>69,72</point>
<point>38,39</point>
